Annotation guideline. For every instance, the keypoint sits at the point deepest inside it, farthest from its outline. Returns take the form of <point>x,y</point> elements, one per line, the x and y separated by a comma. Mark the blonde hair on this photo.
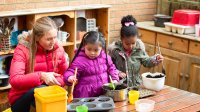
<point>40,27</point>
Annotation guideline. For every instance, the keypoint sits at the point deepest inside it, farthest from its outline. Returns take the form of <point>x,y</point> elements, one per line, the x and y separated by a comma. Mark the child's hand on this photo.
<point>159,58</point>
<point>72,79</point>
<point>122,75</point>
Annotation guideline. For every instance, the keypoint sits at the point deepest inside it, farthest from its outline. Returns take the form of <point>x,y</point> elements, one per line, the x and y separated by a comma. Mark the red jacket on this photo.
<point>22,81</point>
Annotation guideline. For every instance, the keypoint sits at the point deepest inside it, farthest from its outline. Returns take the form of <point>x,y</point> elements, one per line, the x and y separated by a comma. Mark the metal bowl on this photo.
<point>119,94</point>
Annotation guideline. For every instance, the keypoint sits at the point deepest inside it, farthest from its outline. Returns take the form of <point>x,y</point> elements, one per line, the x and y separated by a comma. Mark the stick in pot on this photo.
<point>70,98</point>
<point>163,68</point>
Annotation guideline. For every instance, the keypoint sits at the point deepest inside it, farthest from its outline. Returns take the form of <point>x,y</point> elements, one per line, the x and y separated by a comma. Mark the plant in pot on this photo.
<point>6,27</point>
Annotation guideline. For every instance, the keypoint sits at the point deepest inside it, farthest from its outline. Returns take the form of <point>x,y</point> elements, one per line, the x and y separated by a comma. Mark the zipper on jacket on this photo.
<point>123,55</point>
<point>47,60</point>
<point>96,75</point>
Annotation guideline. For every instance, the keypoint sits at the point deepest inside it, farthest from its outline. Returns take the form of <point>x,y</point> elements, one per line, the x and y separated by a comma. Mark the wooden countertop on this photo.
<point>52,9</point>
<point>149,25</point>
<point>167,100</point>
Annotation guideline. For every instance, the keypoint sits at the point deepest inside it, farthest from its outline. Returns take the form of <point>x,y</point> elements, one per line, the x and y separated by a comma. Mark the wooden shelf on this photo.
<point>6,52</point>
<point>67,43</point>
<point>78,41</point>
<point>98,11</point>
<point>6,87</point>
<point>51,10</point>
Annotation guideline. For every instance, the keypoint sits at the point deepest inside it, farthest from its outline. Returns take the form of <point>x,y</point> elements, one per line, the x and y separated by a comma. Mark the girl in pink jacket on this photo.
<point>94,67</point>
<point>38,61</point>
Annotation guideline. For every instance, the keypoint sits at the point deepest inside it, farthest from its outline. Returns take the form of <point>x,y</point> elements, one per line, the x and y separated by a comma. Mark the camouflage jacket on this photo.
<point>131,64</point>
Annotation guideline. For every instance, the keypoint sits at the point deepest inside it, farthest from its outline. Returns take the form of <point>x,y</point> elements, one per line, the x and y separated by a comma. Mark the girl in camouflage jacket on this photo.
<point>129,53</point>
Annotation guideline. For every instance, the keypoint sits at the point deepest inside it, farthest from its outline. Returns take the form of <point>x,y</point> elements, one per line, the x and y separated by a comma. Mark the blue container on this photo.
<point>13,37</point>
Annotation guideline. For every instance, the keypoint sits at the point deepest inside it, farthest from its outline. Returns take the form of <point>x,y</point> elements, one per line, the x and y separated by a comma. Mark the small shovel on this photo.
<point>70,98</point>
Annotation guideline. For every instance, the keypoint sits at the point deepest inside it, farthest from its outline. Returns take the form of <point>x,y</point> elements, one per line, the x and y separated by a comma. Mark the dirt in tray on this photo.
<point>89,100</point>
<point>104,100</point>
<point>75,101</point>
<point>117,87</point>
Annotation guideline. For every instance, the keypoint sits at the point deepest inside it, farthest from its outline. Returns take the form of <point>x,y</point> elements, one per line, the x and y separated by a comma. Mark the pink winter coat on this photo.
<point>22,81</point>
<point>91,75</point>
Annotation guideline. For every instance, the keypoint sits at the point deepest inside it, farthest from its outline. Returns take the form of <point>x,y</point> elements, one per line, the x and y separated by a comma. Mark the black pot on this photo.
<point>4,80</point>
<point>160,19</point>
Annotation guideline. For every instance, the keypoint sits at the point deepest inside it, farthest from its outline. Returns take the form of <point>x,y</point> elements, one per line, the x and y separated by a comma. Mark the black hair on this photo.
<point>92,37</point>
<point>130,29</point>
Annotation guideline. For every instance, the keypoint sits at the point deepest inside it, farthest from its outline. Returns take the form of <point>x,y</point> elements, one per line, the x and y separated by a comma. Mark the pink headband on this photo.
<point>129,23</point>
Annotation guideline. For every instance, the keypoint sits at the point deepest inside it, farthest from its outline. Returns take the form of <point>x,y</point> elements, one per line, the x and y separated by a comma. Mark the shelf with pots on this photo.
<point>26,18</point>
<point>67,16</point>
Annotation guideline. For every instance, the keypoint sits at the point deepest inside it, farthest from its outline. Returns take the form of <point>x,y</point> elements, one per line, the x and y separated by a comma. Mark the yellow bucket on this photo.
<point>8,110</point>
<point>50,99</point>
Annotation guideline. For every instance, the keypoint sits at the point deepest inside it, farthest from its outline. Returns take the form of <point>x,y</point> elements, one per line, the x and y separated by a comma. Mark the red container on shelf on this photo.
<point>199,19</point>
<point>186,17</point>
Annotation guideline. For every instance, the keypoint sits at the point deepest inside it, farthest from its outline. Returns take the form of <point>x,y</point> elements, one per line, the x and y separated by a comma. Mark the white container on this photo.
<point>189,30</point>
<point>174,29</point>
<point>168,28</point>
<point>153,83</point>
<point>63,36</point>
<point>179,28</point>
<point>197,30</point>
<point>144,105</point>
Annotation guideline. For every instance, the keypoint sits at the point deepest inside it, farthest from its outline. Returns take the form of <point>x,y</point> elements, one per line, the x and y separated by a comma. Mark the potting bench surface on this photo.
<point>167,100</point>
